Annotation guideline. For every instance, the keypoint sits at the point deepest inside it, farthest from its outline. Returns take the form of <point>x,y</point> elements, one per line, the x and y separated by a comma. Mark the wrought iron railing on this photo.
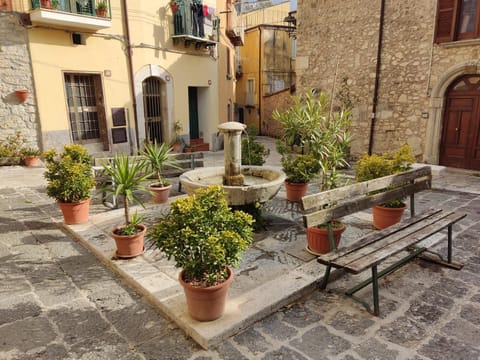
<point>82,7</point>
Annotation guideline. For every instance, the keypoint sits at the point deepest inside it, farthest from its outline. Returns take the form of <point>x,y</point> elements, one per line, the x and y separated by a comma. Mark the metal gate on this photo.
<point>153,109</point>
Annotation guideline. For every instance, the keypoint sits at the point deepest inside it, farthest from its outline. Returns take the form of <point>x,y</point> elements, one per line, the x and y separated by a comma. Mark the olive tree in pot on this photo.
<point>69,180</point>
<point>205,238</point>
<point>158,156</point>
<point>127,176</point>
<point>375,166</point>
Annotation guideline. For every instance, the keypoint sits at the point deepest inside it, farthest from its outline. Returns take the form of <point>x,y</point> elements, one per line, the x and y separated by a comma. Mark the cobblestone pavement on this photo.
<point>57,301</point>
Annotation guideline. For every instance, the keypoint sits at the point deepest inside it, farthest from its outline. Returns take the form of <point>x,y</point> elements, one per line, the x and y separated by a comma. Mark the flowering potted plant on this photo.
<point>205,237</point>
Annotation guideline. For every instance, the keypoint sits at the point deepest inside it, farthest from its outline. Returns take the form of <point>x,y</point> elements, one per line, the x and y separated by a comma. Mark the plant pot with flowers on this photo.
<point>158,156</point>
<point>101,9</point>
<point>127,176</point>
<point>69,180</point>
<point>375,166</point>
<point>205,238</point>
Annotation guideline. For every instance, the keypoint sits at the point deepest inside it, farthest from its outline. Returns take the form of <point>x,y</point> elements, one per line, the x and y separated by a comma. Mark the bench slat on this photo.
<point>319,200</point>
<point>374,236</point>
<point>367,261</point>
<point>365,202</point>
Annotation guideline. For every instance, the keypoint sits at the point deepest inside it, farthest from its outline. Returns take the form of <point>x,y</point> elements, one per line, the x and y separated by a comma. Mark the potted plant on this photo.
<point>22,94</point>
<point>69,180</point>
<point>10,149</point>
<point>299,170</point>
<point>101,9</point>
<point>314,129</point>
<point>177,142</point>
<point>127,176</point>
<point>205,238</point>
<point>253,152</point>
<point>30,156</point>
<point>374,166</point>
<point>158,156</point>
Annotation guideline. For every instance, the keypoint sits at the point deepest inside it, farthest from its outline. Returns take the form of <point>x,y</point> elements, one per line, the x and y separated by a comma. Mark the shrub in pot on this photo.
<point>157,157</point>
<point>69,180</point>
<point>299,170</point>
<point>253,152</point>
<point>30,156</point>
<point>375,166</point>
<point>127,176</point>
<point>205,238</point>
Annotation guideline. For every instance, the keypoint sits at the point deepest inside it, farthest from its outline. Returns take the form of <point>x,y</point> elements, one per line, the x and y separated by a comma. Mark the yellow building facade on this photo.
<point>112,82</point>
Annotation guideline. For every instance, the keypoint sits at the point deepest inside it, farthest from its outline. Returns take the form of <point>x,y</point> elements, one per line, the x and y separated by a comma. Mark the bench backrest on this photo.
<point>346,200</point>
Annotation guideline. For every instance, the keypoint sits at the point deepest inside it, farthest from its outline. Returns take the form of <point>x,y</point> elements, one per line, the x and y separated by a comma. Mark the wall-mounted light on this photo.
<point>292,24</point>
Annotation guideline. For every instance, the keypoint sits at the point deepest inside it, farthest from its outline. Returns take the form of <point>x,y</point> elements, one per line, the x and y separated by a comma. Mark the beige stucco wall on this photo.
<point>105,53</point>
<point>414,73</point>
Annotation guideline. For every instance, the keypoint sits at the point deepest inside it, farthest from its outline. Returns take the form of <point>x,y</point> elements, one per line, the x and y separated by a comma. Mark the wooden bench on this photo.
<point>184,162</point>
<point>371,250</point>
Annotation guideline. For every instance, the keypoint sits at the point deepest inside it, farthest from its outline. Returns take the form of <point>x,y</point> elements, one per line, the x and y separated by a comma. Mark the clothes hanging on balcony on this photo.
<point>197,19</point>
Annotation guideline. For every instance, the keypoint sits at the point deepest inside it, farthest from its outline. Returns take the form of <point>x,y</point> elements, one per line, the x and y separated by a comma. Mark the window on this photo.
<point>251,92</point>
<point>457,20</point>
<point>82,97</point>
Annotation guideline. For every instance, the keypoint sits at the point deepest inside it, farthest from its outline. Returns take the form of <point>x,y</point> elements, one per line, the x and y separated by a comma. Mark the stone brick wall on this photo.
<point>277,101</point>
<point>15,70</point>
<point>339,39</point>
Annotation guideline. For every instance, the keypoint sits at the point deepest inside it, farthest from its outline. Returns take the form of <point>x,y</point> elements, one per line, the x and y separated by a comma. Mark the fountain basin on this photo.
<point>261,183</point>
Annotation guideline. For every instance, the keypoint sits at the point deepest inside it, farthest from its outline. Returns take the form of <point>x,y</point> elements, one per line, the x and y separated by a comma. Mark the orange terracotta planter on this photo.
<point>22,95</point>
<point>295,191</point>
<point>160,194</point>
<point>318,242</point>
<point>31,161</point>
<point>384,217</point>
<point>76,212</point>
<point>206,303</point>
<point>129,246</point>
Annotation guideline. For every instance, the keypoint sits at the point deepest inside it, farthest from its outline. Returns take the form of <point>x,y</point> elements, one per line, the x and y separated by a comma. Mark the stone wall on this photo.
<point>277,101</point>
<point>15,70</point>
<point>338,39</point>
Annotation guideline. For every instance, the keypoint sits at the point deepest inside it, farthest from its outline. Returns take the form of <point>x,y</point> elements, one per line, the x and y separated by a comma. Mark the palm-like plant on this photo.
<point>158,156</point>
<point>127,177</point>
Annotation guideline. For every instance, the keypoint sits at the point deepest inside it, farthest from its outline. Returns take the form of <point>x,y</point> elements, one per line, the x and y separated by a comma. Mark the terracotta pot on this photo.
<point>101,12</point>
<point>22,95</point>
<point>160,194</point>
<point>46,4</point>
<point>31,161</point>
<point>177,147</point>
<point>295,191</point>
<point>206,303</point>
<point>129,246</point>
<point>76,212</point>
<point>384,217</point>
<point>317,239</point>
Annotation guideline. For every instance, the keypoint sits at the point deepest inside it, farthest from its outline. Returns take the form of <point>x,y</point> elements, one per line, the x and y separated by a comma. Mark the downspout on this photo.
<point>131,73</point>
<point>373,115</point>
<point>260,81</point>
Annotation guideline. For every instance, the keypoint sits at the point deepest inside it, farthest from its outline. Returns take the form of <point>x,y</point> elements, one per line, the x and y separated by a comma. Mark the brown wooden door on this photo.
<point>460,145</point>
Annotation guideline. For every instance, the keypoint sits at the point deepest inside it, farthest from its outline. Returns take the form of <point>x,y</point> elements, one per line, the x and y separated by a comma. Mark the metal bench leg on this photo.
<point>323,284</point>
<point>376,306</point>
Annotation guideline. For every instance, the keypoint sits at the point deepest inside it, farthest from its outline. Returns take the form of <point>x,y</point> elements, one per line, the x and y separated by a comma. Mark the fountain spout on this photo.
<point>232,132</point>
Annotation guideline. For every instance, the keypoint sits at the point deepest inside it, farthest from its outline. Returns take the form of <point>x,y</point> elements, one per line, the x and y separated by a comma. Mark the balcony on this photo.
<point>78,14</point>
<point>194,24</point>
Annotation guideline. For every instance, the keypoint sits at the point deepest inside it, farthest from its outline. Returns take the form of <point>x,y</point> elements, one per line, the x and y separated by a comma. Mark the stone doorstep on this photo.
<point>165,293</point>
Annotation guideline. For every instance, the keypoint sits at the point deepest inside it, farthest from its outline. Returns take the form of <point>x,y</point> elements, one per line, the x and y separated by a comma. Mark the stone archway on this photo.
<point>434,127</point>
<point>149,71</point>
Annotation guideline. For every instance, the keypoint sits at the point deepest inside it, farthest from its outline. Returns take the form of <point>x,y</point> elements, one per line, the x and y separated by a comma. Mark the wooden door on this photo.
<point>460,146</point>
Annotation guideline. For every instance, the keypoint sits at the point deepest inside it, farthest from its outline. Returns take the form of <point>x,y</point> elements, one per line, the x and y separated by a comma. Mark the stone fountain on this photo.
<point>243,184</point>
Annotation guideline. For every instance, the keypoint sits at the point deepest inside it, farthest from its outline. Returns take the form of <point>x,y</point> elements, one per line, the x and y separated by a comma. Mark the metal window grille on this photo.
<point>82,107</point>
<point>153,109</point>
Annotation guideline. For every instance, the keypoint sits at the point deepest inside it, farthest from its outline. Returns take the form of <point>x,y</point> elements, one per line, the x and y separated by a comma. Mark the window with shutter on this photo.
<point>457,20</point>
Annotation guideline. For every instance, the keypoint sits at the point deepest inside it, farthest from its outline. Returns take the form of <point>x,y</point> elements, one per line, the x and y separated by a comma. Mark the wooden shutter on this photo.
<point>446,20</point>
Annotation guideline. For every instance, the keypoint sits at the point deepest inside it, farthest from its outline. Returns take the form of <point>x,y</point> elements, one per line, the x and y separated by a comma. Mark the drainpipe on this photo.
<point>377,77</point>
<point>131,73</point>
<point>260,81</point>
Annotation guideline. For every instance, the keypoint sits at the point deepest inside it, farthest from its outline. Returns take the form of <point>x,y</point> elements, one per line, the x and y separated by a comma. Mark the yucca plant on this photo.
<point>127,176</point>
<point>158,156</point>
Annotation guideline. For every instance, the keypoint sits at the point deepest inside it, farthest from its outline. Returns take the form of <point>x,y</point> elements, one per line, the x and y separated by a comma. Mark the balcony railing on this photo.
<point>72,13</point>
<point>194,23</point>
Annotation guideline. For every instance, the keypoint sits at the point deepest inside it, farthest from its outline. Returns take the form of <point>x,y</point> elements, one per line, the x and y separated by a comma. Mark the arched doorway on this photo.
<point>460,144</point>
